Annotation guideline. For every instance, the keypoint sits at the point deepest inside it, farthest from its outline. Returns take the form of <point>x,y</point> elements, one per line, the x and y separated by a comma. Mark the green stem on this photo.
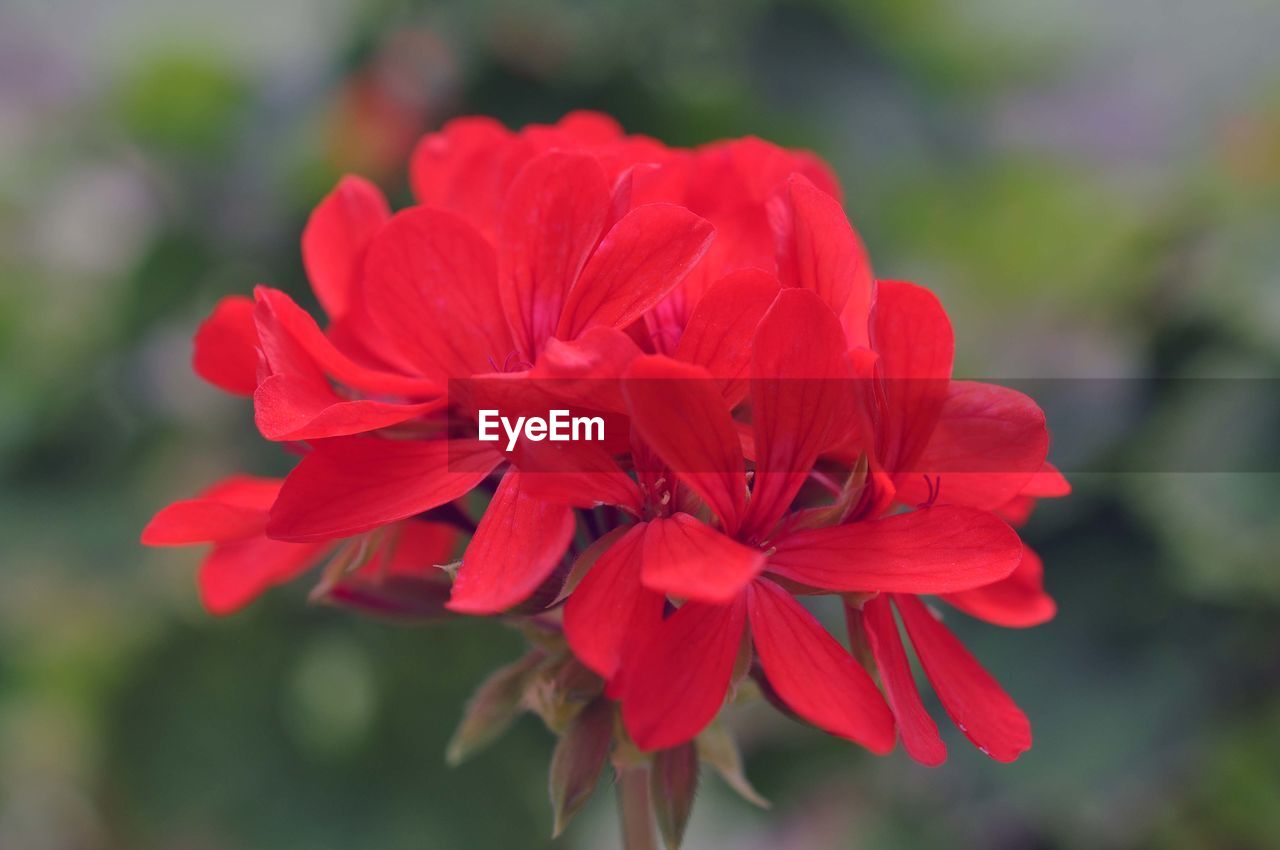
<point>634,809</point>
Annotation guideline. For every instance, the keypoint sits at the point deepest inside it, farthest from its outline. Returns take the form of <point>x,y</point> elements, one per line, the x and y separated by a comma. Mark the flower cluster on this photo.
<point>781,426</point>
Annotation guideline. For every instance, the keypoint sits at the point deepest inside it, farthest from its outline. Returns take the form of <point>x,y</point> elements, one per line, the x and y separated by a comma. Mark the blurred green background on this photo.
<point>1093,188</point>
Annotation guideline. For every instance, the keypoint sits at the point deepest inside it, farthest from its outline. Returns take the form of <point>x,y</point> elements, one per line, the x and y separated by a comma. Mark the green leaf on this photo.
<point>718,748</point>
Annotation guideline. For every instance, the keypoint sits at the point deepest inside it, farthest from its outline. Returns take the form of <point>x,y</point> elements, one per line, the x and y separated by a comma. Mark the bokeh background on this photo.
<point>1093,188</point>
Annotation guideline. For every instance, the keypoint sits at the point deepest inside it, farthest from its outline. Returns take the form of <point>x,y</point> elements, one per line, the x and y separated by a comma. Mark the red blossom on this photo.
<point>243,562</point>
<point>718,309</point>
<point>677,410</point>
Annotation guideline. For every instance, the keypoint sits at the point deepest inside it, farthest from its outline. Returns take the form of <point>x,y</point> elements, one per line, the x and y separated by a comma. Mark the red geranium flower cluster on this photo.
<point>782,426</point>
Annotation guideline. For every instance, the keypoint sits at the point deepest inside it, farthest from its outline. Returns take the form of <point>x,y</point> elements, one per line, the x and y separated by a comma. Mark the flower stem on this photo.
<point>634,809</point>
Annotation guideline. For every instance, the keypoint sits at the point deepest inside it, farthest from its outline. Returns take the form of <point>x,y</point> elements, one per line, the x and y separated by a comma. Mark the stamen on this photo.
<point>512,358</point>
<point>935,490</point>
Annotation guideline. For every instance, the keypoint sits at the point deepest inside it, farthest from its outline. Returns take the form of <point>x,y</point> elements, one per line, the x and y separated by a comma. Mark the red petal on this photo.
<point>402,578</point>
<point>584,370</point>
<point>236,573</point>
<point>1015,602</point>
<point>812,673</point>
<point>973,699</point>
<point>679,678</point>
<point>720,329</point>
<point>911,333</point>
<point>622,195</point>
<point>1047,483</point>
<point>202,521</point>
<point>467,167</point>
<point>1017,510</point>
<point>246,491</point>
<point>610,610</point>
<point>232,509</point>
<point>352,484</point>
<point>553,217</point>
<point>760,168</point>
<point>800,399</point>
<point>336,237</point>
<point>688,559</point>
<point>588,127</point>
<point>642,258</point>
<point>677,409</point>
<point>226,347</point>
<point>518,543</point>
<point>584,477</point>
<point>293,344</point>
<point>987,445</point>
<point>938,550</point>
<point>286,408</point>
<point>919,733</point>
<point>428,275</point>
<point>437,160</point>
<point>819,251</point>
<point>419,549</point>
<point>296,400</point>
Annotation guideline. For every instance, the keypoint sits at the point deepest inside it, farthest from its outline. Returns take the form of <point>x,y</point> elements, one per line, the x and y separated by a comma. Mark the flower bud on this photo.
<point>493,707</point>
<point>674,782</point>
<point>580,755</point>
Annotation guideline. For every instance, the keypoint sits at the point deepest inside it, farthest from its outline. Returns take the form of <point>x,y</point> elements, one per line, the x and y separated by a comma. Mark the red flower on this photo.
<point>571,263</point>
<point>984,444</point>
<point>943,442</point>
<point>545,287</point>
<point>243,562</point>
<point>674,675</point>
<point>396,289</point>
<point>469,166</point>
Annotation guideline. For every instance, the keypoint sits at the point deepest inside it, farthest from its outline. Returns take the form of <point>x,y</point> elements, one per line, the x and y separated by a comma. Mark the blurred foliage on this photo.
<point>1088,194</point>
<point>182,103</point>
